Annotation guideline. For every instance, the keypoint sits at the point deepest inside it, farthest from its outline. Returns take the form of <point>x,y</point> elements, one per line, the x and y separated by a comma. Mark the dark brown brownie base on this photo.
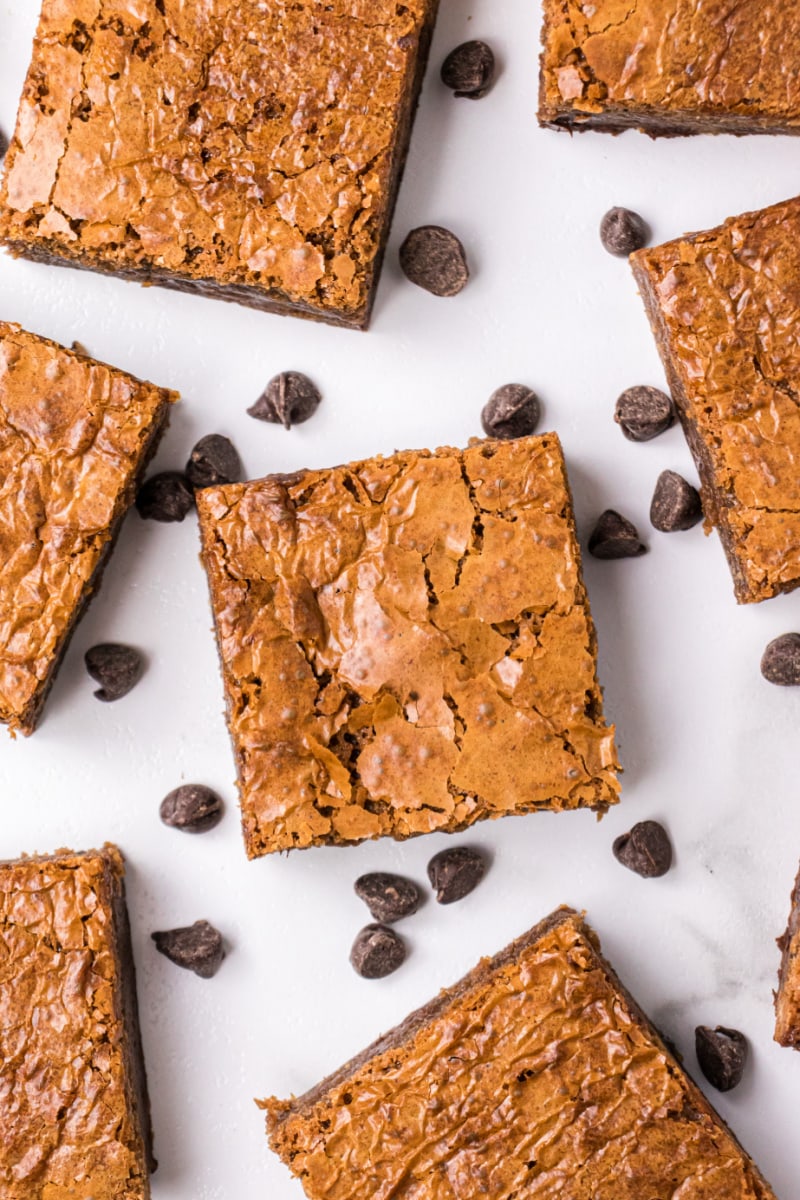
<point>791,1035</point>
<point>659,124</point>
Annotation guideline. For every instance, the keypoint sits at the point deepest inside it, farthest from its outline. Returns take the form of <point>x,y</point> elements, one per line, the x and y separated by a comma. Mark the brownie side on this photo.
<point>787,997</point>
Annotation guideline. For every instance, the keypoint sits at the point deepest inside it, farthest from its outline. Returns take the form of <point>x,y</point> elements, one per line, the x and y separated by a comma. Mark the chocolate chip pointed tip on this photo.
<point>434,259</point>
<point>614,536</point>
<point>643,413</point>
<point>165,497</point>
<point>676,505</point>
<point>646,850</point>
<point>622,231</point>
<point>780,662</point>
<point>722,1054</point>
<point>511,411</point>
<point>288,399</point>
<point>469,69</point>
<point>214,460</point>
<point>388,897</point>
<point>115,667</point>
<point>192,808</point>
<point>198,948</point>
<point>455,873</point>
<point>377,952</point>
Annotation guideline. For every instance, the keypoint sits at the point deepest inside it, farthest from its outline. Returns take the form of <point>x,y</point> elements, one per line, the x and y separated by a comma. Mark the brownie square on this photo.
<point>406,645</point>
<point>725,310</point>
<point>668,68</point>
<point>75,437</point>
<point>74,1115</point>
<point>787,997</point>
<point>535,1076</point>
<point>250,152</point>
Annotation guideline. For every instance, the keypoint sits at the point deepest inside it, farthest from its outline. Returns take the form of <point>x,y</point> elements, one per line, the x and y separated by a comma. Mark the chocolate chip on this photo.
<point>377,951</point>
<point>165,497</point>
<point>196,947</point>
<point>722,1055</point>
<point>288,399</point>
<point>116,668</point>
<point>623,231</point>
<point>469,70</point>
<point>511,412</point>
<point>454,873</point>
<point>646,850</point>
<point>614,536</point>
<point>643,413</point>
<point>675,504</point>
<point>388,897</point>
<point>191,807</point>
<point>780,662</point>
<point>434,259</point>
<point>213,461</point>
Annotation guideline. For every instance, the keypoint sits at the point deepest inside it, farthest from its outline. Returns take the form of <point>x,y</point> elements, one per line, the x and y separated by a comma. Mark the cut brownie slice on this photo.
<point>250,152</point>
<point>74,1115</point>
<point>787,997</point>
<point>406,645</point>
<point>75,437</point>
<point>667,67</point>
<point>537,1075</point>
<point>725,311</point>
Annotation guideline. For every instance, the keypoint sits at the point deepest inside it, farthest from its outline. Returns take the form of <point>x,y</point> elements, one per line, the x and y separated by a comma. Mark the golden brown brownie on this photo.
<point>725,311</point>
<point>406,645</point>
<point>671,66</point>
<point>248,151</point>
<point>787,997</point>
<point>535,1076</point>
<point>74,1116</point>
<point>75,436</point>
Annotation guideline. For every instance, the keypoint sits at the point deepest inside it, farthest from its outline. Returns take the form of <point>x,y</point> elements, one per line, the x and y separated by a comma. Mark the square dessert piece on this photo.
<point>250,152</point>
<point>725,311</point>
<point>667,67</point>
<point>406,645</point>
<point>74,1114</point>
<point>787,997</point>
<point>535,1076</point>
<point>75,436</point>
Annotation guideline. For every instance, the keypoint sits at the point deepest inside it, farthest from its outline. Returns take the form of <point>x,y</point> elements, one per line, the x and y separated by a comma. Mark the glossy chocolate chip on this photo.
<point>455,873</point>
<point>675,505</point>
<point>116,668</point>
<point>213,460</point>
<point>469,70</point>
<point>646,850</point>
<point>165,497</point>
<point>614,536</point>
<point>434,259</point>
<point>780,662</point>
<point>511,412</point>
<point>622,231</point>
<point>722,1055</point>
<point>191,807</point>
<point>377,951</point>
<point>288,399</point>
<point>643,413</point>
<point>389,898</point>
<point>197,948</point>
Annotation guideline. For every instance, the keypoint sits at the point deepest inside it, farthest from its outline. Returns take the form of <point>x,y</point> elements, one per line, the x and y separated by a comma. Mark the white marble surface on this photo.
<point>708,746</point>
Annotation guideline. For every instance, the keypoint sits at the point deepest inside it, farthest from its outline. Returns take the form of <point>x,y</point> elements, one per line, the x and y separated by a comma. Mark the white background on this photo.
<point>708,746</point>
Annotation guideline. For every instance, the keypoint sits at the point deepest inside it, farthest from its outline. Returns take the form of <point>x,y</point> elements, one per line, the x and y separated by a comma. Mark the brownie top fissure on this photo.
<point>406,645</point>
<point>240,144</point>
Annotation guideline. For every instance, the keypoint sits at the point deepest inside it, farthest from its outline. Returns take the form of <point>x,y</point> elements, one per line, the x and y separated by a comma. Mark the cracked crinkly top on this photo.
<point>406,645</point>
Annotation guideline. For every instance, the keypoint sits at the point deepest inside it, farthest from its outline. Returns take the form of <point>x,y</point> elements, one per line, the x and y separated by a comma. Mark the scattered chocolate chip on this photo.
<point>165,497</point>
<point>614,536</point>
<point>780,662</point>
<point>454,873</point>
<point>213,460</point>
<point>643,413</point>
<point>646,850</point>
<point>469,70</point>
<point>196,947</point>
<point>623,231</point>
<point>116,668</point>
<point>434,259</point>
<point>79,349</point>
<point>722,1055</point>
<point>511,412</point>
<point>388,897</point>
<point>191,807</point>
<point>377,951</point>
<point>288,399</point>
<point>675,504</point>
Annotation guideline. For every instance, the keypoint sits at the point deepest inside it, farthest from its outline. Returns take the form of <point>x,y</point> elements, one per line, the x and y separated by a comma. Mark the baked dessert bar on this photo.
<point>787,997</point>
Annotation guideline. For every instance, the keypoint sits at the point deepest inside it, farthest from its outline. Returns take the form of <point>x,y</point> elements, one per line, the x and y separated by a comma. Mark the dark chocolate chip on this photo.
<point>614,536</point>
<point>511,412</point>
<point>646,850</point>
<point>165,497</point>
<point>191,807</point>
<point>434,259</point>
<point>213,461</point>
<point>722,1055</point>
<point>643,413</point>
<point>675,505</point>
<point>469,70</point>
<point>377,951</point>
<point>196,947</point>
<point>388,897</point>
<point>454,873</point>
<point>116,668</point>
<point>288,399</point>
<point>780,662</point>
<point>623,231</point>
